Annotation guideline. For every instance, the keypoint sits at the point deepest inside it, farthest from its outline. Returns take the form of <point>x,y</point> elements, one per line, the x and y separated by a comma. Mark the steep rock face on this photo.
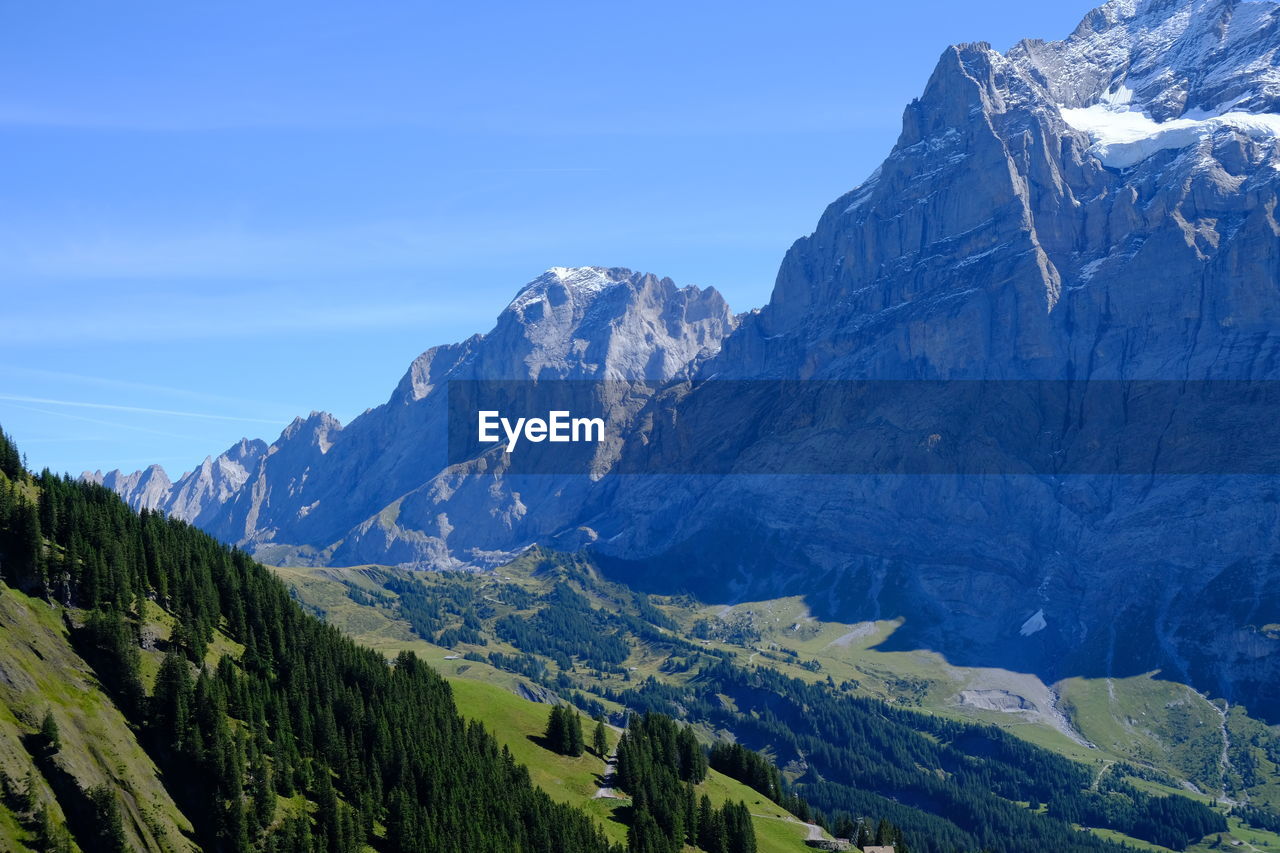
<point>1100,207</point>
<point>196,494</point>
<point>1175,57</point>
<point>276,492</point>
<point>574,324</point>
<point>998,241</point>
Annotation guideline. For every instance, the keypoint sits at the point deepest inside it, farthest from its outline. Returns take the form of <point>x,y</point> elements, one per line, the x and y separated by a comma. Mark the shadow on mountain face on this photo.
<point>1219,634</point>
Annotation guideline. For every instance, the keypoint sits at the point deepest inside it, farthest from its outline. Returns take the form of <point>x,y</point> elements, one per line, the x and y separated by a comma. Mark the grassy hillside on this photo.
<point>40,672</point>
<point>518,724</point>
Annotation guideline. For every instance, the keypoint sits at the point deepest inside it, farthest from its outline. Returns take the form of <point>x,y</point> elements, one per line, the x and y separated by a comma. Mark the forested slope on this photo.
<point>949,784</point>
<point>269,729</point>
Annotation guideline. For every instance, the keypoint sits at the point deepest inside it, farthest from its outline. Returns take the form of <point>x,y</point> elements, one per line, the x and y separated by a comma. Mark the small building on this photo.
<point>878,848</point>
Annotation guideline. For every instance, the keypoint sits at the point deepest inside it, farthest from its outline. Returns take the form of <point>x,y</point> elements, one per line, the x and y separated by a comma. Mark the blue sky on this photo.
<point>214,217</point>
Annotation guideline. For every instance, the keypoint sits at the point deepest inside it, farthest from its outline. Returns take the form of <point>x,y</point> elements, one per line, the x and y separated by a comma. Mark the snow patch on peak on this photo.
<point>319,426</point>
<point>580,283</point>
<point>1035,623</point>
<point>1168,58</point>
<point>1117,99</point>
<point>1123,137</point>
<point>589,277</point>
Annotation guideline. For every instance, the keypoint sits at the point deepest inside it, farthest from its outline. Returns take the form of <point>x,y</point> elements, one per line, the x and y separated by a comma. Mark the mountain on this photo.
<point>376,490</point>
<point>1097,208</point>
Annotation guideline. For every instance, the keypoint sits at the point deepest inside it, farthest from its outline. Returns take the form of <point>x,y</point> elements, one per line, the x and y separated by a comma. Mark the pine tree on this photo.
<point>706,821</point>
<point>644,835</point>
<point>49,732</point>
<point>51,837</point>
<point>693,761</point>
<point>27,799</point>
<point>740,835</point>
<point>109,834</point>
<point>25,567</point>
<point>599,739</point>
<point>557,734</point>
<point>690,814</point>
<point>170,705</point>
<point>576,746</point>
<point>716,838</point>
<point>10,461</point>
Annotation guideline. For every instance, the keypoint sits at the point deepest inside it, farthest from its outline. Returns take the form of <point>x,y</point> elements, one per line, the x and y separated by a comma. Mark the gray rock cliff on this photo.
<point>999,241</point>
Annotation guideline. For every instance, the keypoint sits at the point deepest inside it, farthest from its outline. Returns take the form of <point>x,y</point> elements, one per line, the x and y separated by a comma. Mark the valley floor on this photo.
<point>1172,738</point>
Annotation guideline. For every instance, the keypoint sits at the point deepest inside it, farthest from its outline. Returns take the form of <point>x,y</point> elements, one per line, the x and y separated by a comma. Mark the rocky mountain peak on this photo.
<point>246,451</point>
<point>596,322</point>
<point>318,428</point>
<point>319,476</point>
<point>1024,192</point>
<point>559,285</point>
<point>145,489</point>
<point>583,323</point>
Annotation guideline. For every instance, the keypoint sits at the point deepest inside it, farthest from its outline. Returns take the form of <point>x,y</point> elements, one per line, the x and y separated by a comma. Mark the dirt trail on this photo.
<point>816,833</point>
<point>610,775</point>
<point>1102,771</point>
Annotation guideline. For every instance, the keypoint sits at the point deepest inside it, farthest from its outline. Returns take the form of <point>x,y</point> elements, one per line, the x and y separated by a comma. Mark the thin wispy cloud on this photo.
<point>81,418</point>
<point>176,316</point>
<point>792,117</point>
<point>370,250</point>
<point>134,409</point>
<point>146,387</point>
<point>124,464</point>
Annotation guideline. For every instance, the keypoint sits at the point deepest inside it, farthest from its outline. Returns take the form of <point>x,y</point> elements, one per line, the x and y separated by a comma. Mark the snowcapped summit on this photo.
<point>606,322</point>
<point>559,283</point>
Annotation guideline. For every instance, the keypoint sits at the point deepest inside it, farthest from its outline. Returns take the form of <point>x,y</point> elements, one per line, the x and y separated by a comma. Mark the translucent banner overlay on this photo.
<point>867,427</point>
